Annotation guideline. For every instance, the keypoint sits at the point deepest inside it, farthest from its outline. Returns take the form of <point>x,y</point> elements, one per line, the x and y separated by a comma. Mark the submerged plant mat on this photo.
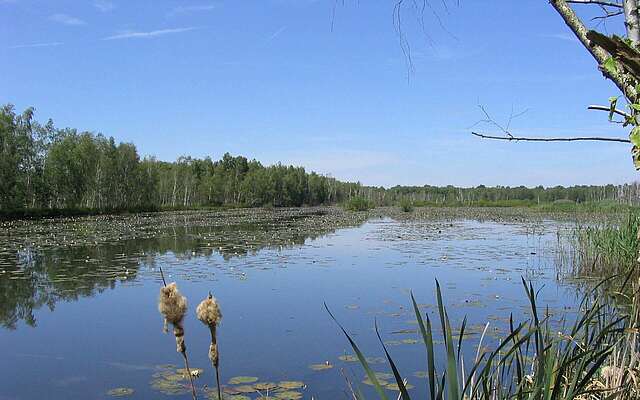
<point>120,392</point>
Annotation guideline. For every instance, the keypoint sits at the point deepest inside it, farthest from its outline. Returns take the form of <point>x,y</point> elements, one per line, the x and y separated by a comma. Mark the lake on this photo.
<point>78,297</point>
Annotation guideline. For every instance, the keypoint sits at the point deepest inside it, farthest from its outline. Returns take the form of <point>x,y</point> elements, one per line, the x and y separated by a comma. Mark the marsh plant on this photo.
<point>600,251</point>
<point>208,312</point>
<point>173,306</point>
<point>534,360</point>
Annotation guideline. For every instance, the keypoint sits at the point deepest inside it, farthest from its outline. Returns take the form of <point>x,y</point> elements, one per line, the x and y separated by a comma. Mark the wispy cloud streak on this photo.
<point>277,33</point>
<point>193,9</point>
<point>23,46</point>
<point>103,5</point>
<point>148,34</point>
<point>66,19</point>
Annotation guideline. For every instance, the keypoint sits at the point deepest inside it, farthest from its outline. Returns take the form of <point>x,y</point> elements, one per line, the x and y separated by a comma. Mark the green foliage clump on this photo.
<point>406,205</point>
<point>358,204</point>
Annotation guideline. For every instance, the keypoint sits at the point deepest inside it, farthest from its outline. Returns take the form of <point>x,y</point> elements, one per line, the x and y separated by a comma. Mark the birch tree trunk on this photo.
<point>632,20</point>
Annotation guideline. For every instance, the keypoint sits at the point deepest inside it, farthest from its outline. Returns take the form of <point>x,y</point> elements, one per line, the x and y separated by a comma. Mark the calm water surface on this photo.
<point>78,311</point>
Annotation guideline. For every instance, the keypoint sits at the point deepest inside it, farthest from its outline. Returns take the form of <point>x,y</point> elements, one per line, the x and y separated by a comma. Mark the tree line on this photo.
<point>43,167</point>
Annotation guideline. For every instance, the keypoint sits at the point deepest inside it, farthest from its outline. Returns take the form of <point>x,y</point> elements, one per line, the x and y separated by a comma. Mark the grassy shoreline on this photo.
<point>357,205</point>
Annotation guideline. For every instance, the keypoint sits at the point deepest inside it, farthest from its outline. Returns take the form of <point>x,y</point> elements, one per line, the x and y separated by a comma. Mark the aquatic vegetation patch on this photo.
<point>321,367</point>
<point>120,392</point>
<point>291,384</point>
<point>288,395</point>
<point>239,380</point>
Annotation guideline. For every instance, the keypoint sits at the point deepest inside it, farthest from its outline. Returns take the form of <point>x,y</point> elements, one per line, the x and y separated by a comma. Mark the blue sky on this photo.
<point>272,80</point>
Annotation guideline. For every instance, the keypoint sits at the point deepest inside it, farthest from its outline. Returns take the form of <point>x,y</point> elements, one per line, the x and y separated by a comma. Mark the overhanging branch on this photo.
<point>552,139</point>
<point>598,2</point>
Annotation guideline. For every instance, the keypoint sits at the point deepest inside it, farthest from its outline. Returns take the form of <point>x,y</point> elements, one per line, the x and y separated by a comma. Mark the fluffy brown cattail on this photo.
<point>173,305</point>
<point>209,313</point>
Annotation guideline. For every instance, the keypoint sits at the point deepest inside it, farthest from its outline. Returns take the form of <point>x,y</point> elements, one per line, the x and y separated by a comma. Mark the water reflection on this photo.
<point>42,265</point>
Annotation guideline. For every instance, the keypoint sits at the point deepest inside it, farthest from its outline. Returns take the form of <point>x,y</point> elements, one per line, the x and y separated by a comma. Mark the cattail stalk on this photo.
<point>209,313</point>
<point>173,306</point>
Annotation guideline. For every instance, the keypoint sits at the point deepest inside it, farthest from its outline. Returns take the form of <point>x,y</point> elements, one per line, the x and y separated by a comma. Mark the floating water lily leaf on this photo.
<point>368,381</point>
<point>348,358</point>
<point>230,390</point>
<point>375,360</point>
<point>169,387</point>
<point>321,367</point>
<point>420,374</point>
<point>245,389</point>
<point>265,386</point>
<point>394,386</point>
<point>291,384</point>
<point>212,394</point>
<point>195,372</point>
<point>384,375</point>
<point>288,395</point>
<point>238,380</point>
<point>409,341</point>
<point>120,392</point>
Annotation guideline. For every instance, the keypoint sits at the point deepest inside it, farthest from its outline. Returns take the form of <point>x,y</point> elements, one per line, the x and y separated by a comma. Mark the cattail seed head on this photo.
<point>208,312</point>
<point>213,354</point>
<point>172,304</point>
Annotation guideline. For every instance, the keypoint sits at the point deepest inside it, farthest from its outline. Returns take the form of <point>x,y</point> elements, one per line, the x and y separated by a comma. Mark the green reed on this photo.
<point>532,361</point>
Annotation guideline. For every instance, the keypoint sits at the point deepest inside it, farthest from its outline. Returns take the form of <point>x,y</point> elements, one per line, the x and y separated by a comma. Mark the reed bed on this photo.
<point>592,358</point>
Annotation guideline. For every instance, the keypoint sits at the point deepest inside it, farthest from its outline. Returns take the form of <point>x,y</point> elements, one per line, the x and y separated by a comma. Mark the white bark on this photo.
<point>632,20</point>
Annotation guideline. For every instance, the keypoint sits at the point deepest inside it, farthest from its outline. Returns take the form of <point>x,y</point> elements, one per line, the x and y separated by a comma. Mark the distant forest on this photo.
<point>43,167</point>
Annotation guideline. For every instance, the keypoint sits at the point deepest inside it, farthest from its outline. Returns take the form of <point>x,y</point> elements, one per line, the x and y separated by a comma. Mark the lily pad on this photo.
<point>195,372</point>
<point>245,389</point>
<point>384,376</point>
<point>212,394</point>
<point>230,390</point>
<point>376,360</point>
<point>321,367</point>
<point>369,382</point>
<point>169,387</point>
<point>239,380</point>
<point>120,392</point>
<point>265,386</point>
<point>348,358</point>
<point>394,386</point>
<point>288,395</point>
<point>291,384</point>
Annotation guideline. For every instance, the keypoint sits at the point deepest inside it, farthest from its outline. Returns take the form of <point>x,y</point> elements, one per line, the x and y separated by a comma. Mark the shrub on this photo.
<point>358,204</point>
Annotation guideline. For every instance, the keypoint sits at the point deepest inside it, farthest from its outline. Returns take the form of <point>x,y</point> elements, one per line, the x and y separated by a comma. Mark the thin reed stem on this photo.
<point>186,365</point>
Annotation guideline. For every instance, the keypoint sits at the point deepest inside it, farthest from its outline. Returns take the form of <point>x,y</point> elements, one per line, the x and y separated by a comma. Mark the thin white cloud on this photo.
<point>193,9</point>
<point>560,36</point>
<point>66,19</point>
<point>103,5</point>
<point>149,34</point>
<point>50,44</point>
<point>277,33</point>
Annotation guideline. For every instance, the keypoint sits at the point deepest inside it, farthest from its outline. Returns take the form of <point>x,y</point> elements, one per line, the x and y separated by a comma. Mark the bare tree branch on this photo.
<point>608,109</point>
<point>510,137</point>
<point>598,2</point>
